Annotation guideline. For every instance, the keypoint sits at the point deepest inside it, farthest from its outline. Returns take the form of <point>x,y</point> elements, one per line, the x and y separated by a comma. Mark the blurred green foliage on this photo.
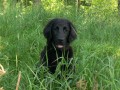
<point>97,6</point>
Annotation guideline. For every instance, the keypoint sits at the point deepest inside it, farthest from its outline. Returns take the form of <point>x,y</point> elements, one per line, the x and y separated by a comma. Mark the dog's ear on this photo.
<point>72,34</point>
<point>47,30</point>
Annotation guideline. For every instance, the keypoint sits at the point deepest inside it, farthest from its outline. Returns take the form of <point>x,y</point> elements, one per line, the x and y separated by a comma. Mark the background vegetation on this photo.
<point>96,50</point>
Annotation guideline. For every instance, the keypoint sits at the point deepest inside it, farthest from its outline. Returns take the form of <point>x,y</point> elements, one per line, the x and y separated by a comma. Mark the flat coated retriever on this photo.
<point>59,34</point>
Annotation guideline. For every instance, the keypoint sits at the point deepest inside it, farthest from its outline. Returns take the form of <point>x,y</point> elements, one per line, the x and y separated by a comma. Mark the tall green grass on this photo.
<point>96,50</point>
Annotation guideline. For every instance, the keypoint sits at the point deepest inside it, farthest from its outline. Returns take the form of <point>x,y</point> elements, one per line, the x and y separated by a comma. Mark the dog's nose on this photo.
<point>60,40</point>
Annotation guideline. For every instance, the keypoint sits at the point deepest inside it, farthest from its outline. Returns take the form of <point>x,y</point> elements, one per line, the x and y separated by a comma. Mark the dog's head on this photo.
<point>60,32</point>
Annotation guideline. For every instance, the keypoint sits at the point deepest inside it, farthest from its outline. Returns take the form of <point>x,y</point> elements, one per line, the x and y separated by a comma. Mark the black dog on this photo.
<point>59,34</point>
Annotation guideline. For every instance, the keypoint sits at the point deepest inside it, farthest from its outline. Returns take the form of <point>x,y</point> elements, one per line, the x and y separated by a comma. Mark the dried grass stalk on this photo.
<point>1,88</point>
<point>2,71</point>
<point>18,82</point>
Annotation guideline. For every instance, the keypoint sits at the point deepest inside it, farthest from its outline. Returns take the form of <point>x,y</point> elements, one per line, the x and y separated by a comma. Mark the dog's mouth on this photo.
<point>59,46</point>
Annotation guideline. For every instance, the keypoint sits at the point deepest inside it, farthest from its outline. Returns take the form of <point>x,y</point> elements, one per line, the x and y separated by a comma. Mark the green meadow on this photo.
<point>96,49</point>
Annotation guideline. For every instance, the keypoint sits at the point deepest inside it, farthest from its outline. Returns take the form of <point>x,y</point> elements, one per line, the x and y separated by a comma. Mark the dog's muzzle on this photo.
<point>60,43</point>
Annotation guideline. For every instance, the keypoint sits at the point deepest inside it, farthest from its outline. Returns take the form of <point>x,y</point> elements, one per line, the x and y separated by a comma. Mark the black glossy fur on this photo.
<point>59,34</point>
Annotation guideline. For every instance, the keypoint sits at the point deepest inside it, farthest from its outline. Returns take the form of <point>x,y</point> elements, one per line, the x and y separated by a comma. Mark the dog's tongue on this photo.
<point>60,46</point>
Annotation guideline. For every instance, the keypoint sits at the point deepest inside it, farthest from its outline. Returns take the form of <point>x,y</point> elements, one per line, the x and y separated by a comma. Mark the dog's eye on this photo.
<point>57,28</point>
<point>65,29</point>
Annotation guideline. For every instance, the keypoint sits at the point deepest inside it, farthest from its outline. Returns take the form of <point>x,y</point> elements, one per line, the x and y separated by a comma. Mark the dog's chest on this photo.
<point>55,56</point>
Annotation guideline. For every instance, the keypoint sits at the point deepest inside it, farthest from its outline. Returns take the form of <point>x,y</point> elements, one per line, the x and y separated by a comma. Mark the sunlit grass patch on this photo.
<point>53,5</point>
<point>117,54</point>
